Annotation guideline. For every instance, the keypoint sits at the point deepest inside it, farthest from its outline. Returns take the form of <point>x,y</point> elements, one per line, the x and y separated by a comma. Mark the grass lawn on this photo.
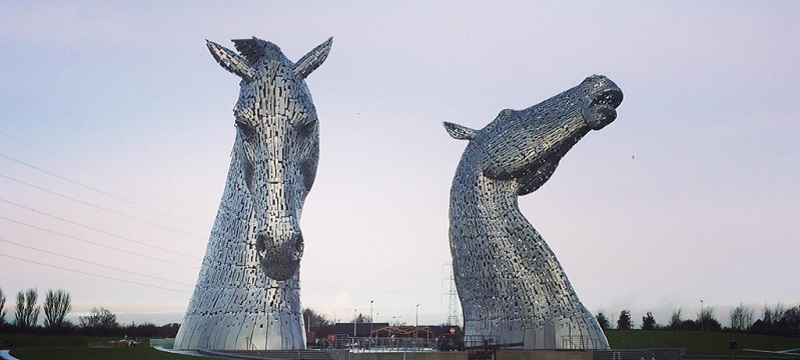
<point>45,347</point>
<point>699,343</point>
<point>28,340</point>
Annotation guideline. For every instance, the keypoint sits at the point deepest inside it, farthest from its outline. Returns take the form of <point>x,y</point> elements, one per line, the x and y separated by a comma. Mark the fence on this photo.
<point>379,344</point>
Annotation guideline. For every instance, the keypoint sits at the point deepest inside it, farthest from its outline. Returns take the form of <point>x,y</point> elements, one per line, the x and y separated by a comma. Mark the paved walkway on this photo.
<point>4,354</point>
<point>182,352</point>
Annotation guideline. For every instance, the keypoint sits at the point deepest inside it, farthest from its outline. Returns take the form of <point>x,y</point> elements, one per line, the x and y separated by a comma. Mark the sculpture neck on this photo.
<point>482,199</point>
<point>487,227</point>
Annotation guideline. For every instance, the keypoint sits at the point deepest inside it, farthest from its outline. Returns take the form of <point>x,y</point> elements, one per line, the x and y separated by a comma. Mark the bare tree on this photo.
<point>773,316</point>
<point>675,321</point>
<point>57,305</point>
<point>2,306</point>
<point>99,318</point>
<point>19,310</point>
<point>26,312</point>
<point>778,312</point>
<point>315,320</point>
<point>741,317</point>
<point>707,320</point>
<point>768,318</point>
<point>361,318</point>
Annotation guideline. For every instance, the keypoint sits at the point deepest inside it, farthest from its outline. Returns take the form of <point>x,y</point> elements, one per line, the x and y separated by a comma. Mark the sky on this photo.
<point>116,130</point>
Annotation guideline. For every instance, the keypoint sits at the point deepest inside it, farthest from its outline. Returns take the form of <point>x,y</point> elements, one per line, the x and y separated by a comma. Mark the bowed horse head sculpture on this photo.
<point>526,145</point>
<point>279,137</point>
<point>511,285</point>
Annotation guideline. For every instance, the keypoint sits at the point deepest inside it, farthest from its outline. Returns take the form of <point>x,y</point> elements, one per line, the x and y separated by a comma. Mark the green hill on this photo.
<point>699,343</point>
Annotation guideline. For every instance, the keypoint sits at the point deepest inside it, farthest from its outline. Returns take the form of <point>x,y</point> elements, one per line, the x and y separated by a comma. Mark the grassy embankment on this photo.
<point>700,343</point>
<point>45,347</point>
<point>87,353</point>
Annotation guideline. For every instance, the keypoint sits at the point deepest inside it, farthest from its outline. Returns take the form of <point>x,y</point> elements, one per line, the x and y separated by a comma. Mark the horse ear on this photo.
<point>459,132</point>
<point>311,61</point>
<point>231,61</point>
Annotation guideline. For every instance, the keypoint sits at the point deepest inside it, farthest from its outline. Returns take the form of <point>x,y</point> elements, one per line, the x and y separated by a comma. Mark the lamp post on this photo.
<point>370,317</point>
<point>416,321</point>
<point>308,321</point>
<point>702,317</point>
<point>354,322</point>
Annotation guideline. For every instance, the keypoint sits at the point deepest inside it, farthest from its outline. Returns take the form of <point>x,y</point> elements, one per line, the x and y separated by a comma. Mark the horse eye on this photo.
<point>246,128</point>
<point>308,127</point>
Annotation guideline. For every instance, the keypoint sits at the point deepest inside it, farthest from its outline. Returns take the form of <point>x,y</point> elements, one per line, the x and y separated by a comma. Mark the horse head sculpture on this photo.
<point>279,136</point>
<point>510,283</point>
<point>526,145</point>
<point>248,291</point>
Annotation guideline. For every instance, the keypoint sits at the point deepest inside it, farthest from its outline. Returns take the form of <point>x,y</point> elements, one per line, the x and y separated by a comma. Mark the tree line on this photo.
<point>55,307</point>
<point>776,321</point>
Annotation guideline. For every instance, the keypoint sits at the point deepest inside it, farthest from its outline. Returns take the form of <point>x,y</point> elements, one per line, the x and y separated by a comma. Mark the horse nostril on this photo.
<point>610,97</point>
<point>261,243</point>
<point>298,243</point>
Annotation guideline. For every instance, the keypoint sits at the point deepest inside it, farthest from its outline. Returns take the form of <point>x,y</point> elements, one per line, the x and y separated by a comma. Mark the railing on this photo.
<point>380,344</point>
<point>472,341</point>
<point>250,345</point>
<point>639,354</point>
<point>577,342</point>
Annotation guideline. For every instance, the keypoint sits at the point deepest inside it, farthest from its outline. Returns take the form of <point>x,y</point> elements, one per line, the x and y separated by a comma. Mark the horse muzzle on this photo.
<point>280,254</point>
<point>602,110</point>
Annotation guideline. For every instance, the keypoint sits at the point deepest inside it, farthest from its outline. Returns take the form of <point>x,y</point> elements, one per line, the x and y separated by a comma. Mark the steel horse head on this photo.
<point>278,135</point>
<point>510,282</point>
<point>526,145</point>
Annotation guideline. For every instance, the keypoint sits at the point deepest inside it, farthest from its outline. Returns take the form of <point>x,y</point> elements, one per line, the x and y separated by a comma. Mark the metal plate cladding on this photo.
<point>511,286</point>
<point>247,292</point>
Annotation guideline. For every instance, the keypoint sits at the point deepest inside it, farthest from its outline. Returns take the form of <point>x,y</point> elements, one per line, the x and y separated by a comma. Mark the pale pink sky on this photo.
<point>691,194</point>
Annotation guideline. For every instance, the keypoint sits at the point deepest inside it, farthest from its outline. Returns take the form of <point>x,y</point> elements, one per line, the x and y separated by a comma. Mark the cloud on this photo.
<point>338,308</point>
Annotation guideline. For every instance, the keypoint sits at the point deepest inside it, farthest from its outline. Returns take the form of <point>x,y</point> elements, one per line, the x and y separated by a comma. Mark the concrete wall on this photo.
<point>462,355</point>
<point>445,355</point>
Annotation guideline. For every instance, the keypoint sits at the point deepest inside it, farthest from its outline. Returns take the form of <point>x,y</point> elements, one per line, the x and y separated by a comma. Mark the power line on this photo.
<point>100,207</point>
<point>101,191</point>
<point>116,178</point>
<point>94,243</point>
<point>93,274</point>
<point>98,230</point>
<point>92,263</point>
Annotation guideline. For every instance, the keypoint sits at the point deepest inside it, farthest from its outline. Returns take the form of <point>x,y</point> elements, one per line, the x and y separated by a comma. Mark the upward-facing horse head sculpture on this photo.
<point>247,293</point>
<point>511,285</point>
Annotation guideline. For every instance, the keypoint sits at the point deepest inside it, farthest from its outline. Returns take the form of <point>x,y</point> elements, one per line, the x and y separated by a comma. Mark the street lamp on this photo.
<point>702,317</point>
<point>354,322</point>
<point>416,321</point>
<point>370,317</point>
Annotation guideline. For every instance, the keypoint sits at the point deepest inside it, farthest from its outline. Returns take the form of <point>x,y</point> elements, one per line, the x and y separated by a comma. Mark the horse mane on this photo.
<point>255,49</point>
